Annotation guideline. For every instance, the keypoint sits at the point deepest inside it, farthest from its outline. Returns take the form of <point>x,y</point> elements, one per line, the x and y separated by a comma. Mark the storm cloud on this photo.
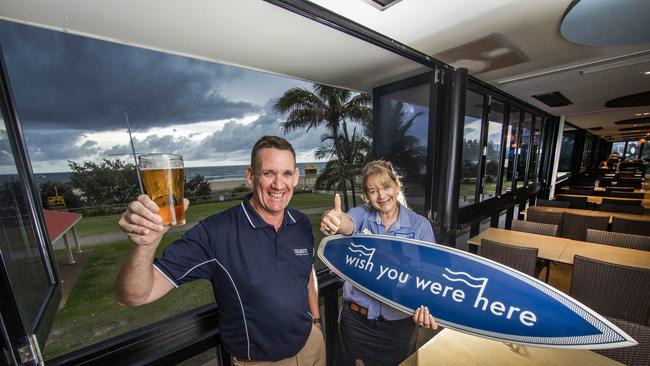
<point>71,93</point>
<point>66,81</point>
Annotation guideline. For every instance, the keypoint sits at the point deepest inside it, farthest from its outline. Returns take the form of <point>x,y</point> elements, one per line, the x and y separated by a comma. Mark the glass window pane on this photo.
<point>404,121</point>
<point>18,242</point>
<point>535,150</point>
<point>493,158</point>
<point>617,147</point>
<point>566,153</point>
<point>471,148</point>
<point>632,151</point>
<point>586,153</point>
<point>511,145</point>
<point>646,152</point>
<point>210,113</point>
<point>524,141</point>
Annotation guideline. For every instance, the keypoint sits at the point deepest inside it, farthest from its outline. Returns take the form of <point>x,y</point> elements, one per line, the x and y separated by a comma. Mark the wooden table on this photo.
<point>563,250</point>
<point>578,211</point>
<point>549,247</point>
<point>605,253</point>
<point>599,199</point>
<point>454,348</point>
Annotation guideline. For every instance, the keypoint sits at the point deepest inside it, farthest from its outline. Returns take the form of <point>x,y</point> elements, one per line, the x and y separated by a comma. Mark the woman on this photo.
<point>373,333</point>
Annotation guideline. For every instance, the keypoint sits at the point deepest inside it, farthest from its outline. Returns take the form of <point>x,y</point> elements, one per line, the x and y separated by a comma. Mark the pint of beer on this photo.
<point>163,178</point>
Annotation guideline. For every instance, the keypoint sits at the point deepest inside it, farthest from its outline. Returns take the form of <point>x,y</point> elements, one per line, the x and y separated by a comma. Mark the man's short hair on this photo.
<point>269,142</point>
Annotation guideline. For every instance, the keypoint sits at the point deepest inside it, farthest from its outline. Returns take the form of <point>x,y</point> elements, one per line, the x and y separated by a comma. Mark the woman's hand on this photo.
<point>330,222</point>
<point>423,319</point>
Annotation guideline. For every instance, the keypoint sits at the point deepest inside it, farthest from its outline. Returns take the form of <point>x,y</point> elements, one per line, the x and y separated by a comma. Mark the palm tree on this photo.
<point>338,172</point>
<point>325,106</point>
<point>405,150</point>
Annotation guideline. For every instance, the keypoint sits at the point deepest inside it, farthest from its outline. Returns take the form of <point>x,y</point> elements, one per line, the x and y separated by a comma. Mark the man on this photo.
<point>258,256</point>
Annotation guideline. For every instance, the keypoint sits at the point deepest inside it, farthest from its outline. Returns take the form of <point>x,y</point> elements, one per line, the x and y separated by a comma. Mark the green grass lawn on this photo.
<point>91,314</point>
<point>97,225</point>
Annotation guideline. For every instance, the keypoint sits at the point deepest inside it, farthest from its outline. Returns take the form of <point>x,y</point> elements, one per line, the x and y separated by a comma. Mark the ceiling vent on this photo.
<point>383,4</point>
<point>635,128</point>
<point>554,99</point>
<point>634,100</point>
<point>633,121</point>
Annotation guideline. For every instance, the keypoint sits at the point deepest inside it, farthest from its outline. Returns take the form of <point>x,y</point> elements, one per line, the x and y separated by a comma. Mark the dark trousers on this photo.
<point>364,342</point>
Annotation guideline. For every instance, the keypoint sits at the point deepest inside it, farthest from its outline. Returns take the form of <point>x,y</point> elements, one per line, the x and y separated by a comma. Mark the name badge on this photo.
<point>406,235</point>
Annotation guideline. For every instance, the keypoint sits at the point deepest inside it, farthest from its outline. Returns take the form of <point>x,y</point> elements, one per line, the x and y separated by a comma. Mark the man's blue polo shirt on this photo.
<point>408,225</point>
<point>259,276</point>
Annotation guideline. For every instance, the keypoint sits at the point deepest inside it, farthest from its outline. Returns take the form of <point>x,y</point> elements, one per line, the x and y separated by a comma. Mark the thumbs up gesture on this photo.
<point>331,221</point>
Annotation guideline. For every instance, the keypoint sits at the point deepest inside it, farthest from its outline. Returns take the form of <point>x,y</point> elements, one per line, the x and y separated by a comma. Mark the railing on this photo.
<point>493,206</point>
<point>185,335</point>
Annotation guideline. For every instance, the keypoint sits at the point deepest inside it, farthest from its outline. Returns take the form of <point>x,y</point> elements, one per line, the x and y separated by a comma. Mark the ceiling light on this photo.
<point>614,65</point>
<point>647,73</point>
<point>382,4</point>
<point>646,114</point>
<point>600,65</point>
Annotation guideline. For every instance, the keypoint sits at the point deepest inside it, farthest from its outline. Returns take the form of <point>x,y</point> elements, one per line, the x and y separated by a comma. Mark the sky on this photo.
<point>71,93</point>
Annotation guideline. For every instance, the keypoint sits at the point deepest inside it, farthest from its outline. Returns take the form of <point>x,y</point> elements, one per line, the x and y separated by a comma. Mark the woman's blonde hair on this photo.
<point>387,176</point>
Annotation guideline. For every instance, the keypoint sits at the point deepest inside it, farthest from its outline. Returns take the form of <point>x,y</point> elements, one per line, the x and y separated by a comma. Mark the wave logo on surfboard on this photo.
<point>466,278</point>
<point>360,256</point>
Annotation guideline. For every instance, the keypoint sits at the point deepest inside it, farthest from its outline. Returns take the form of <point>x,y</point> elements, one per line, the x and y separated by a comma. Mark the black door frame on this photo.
<point>17,331</point>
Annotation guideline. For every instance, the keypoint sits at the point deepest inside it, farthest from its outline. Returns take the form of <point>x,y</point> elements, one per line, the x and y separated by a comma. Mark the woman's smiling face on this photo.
<point>381,195</point>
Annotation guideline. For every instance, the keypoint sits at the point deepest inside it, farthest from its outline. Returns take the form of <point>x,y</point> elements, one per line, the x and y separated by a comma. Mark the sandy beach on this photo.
<point>225,185</point>
<point>229,185</point>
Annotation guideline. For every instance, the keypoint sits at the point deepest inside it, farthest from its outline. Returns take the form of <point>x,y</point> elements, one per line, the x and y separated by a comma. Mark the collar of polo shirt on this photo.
<point>403,219</point>
<point>256,220</point>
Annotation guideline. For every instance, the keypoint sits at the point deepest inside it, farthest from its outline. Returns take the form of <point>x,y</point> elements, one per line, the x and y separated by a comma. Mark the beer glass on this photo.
<point>163,178</point>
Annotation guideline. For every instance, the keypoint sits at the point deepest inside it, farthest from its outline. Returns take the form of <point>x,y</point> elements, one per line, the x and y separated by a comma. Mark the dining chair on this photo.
<point>520,258</point>
<point>612,207</point>
<point>638,355</point>
<point>575,202</point>
<point>536,214</point>
<point>541,229</point>
<point>639,242</point>
<point>614,188</point>
<point>552,203</point>
<point>622,202</point>
<point>626,194</point>
<point>579,191</point>
<point>575,226</point>
<point>610,289</point>
<point>627,226</point>
<point>534,227</point>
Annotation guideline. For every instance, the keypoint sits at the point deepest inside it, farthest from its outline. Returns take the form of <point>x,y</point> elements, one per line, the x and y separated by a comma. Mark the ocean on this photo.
<point>211,173</point>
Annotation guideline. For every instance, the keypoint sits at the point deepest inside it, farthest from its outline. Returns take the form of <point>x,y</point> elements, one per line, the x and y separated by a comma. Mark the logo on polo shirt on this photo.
<point>301,251</point>
<point>406,235</point>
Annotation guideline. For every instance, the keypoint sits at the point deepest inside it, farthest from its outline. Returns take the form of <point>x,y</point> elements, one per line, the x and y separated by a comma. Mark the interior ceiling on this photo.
<point>515,45</point>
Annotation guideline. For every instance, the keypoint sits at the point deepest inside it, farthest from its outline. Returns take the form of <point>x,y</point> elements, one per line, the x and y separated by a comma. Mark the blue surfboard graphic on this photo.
<point>468,293</point>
